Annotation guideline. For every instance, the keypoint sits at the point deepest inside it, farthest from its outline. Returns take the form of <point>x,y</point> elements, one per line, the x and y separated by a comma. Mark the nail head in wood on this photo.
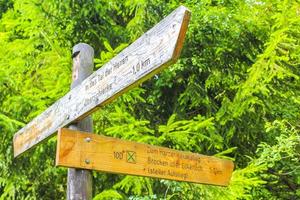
<point>88,139</point>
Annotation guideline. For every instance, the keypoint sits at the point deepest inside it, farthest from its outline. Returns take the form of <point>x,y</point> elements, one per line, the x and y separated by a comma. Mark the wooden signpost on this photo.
<point>153,51</point>
<point>107,154</point>
<point>80,182</point>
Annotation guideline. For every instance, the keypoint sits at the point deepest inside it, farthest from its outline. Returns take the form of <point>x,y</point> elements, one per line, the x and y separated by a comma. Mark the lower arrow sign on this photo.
<point>90,151</point>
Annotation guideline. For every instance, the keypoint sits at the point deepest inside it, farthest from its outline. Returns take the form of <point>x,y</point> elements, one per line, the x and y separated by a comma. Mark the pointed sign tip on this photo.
<point>183,7</point>
<point>182,33</point>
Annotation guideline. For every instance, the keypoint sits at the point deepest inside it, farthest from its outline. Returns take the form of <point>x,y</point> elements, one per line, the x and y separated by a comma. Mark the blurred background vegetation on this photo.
<point>234,93</point>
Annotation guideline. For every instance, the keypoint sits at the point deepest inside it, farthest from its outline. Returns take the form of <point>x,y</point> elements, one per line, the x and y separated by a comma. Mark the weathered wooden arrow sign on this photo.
<point>90,151</point>
<point>156,49</point>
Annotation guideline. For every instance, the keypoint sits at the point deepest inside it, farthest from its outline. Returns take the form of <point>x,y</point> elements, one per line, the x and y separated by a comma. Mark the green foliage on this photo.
<point>106,56</point>
<point>234,93</point>
<point>108,195</point>
<point>135,185</point>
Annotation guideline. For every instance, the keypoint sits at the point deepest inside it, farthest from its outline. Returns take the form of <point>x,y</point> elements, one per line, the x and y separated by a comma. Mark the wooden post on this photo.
<point>80,181</point>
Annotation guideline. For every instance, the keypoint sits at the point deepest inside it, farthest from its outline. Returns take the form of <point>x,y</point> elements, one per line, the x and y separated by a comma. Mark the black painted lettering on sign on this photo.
<point>141,65</point>
<point>120,63</point>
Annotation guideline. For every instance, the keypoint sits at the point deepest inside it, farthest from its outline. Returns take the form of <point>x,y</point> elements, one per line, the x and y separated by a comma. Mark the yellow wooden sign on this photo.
<point>90,151</point>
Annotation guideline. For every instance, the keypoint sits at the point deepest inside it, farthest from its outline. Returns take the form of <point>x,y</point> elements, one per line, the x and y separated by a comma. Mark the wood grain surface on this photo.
<point>80,181</point>
<point>107,154</point>
<point>154,50</point>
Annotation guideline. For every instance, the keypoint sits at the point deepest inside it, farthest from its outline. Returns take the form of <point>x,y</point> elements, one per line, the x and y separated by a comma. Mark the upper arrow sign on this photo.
<point>156,49</point>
